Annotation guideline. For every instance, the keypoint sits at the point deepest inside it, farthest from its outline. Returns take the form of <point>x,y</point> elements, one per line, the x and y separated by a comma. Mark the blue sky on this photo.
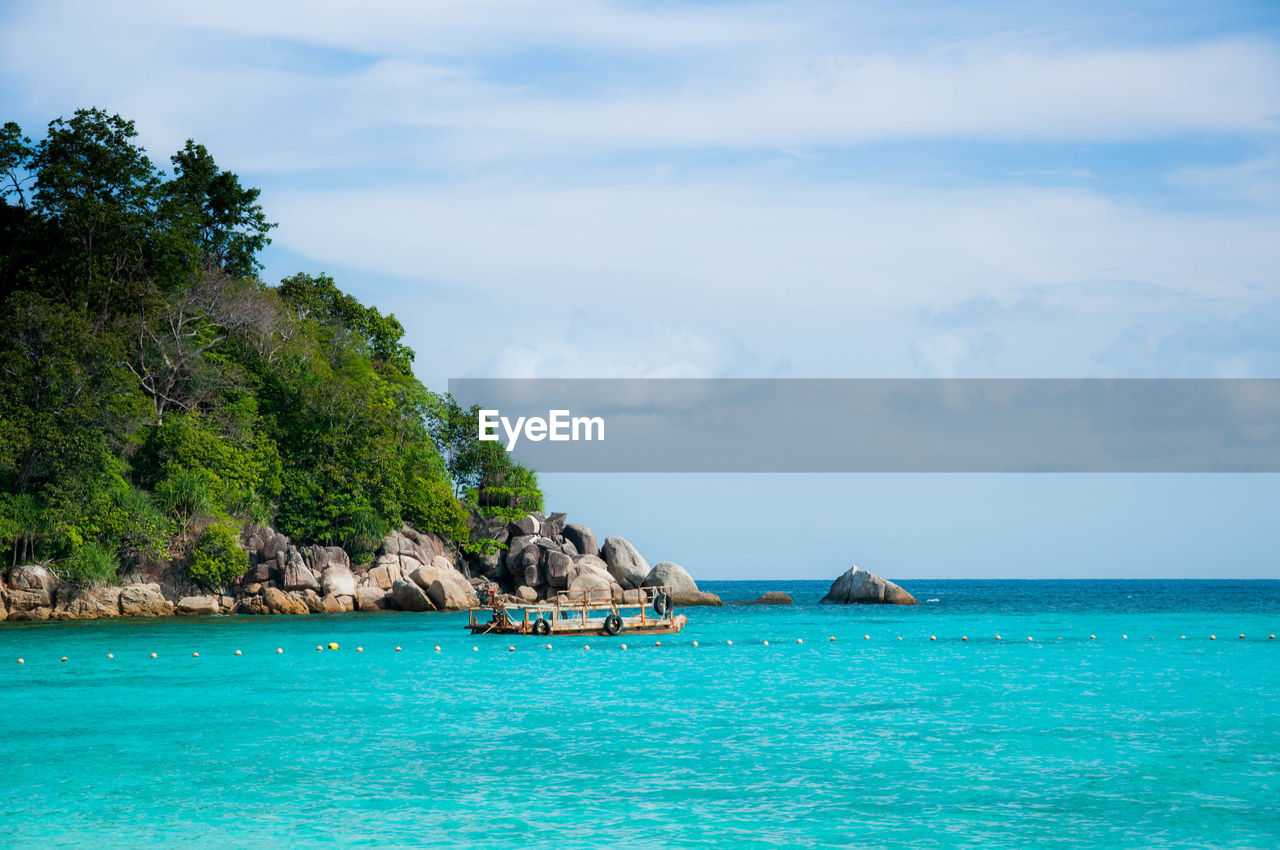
<point>813,189</point>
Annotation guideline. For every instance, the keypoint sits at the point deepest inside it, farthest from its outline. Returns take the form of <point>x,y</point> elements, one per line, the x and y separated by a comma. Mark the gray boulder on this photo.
<point>773,597</point>
<point>858,587</point>
<point>558,565</point>
<point>338,581</point>
<point>524,526</point>
<point>670,575</point>
<point>625,564</point>
<point>582,538</point>
<point>34,579</point>
<point>409,597</point>
<point>297,575</point>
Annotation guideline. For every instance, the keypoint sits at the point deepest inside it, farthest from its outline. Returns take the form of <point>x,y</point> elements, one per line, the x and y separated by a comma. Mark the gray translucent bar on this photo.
<point>819,425</point>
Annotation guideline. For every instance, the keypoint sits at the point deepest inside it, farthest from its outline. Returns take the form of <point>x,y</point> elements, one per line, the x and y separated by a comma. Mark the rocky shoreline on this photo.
<point>541,556</point>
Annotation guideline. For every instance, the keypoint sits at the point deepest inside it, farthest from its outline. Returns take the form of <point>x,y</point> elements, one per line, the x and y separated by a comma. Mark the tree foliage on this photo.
<point>154,392</point>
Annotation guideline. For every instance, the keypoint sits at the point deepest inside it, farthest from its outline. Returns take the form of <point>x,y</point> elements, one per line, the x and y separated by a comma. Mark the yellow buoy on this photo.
<point>333,646</point>
<point>237,652</point>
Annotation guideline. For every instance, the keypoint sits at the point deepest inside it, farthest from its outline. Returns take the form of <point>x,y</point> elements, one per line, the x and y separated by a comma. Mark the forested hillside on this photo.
<point>156,395</point>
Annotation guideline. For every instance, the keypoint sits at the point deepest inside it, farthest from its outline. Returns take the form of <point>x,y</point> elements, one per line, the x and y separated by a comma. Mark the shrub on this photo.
<point>218,558</point>
<point>91,562</point>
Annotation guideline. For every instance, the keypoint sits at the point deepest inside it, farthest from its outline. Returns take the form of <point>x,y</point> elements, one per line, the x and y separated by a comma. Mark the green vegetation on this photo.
<point>154,393</point>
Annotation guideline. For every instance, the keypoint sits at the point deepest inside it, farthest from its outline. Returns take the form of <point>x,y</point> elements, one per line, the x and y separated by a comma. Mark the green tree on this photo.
<point>226,221</point>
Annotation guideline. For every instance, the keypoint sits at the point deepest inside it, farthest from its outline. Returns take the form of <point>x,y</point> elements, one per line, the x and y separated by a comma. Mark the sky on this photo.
<point>728,189</point>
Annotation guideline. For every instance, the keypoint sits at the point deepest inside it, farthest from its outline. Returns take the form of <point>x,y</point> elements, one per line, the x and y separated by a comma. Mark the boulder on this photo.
<point>773,597</point>
<point>338,581</point>
<point>696,598</point>
<point>251,605</point>
<point>4,610</point>
<point>672,575</point>
<point>858,587</point>
<point>277,601</point>
<point>143,600</point>
<point>582,538</point>
<point>552,526</point>
<point>385,571</point>
<point>558,566</point>
<point>625,564</point>
<point>526,594</point>
<point>34,578</point>
<point>524,526</point>
<point>409,596</point>
<point>35,613</point>
<point>191,605</point>
<point>337,604</point>
<point>445,587</point>
<point>20,601</point>
<point>259,573</point>
<point>486,564</point>
<point>297,575</point>
<point>370,599</point>
<point>591,582</point>
<point>534,575</point>
<point>87,603</point>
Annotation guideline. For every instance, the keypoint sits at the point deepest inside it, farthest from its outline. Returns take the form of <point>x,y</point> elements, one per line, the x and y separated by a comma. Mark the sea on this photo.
<point>1011,714</point>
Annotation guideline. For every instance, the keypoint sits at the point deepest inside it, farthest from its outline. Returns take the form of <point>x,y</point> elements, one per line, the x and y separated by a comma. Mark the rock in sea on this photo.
<point>859,587</point>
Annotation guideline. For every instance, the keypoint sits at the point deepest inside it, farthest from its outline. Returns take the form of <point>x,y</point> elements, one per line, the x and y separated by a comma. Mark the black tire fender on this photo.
<point>662,604</point>
<point>613,624</point>
<point>541,626</point>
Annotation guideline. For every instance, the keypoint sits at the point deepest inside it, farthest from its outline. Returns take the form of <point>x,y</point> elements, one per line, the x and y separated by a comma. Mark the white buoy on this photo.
<point>1213,637</point>
<point>933,637</point>
<point>398,648</point>
<point>475,649</point>
<point>153,655</point>
<point>548,646</point>
<point>866,637</point>
<point>359,649</point>
<point>999,638</point>
<point>22,661</point>
<point>766,643</point>
<point>238,652</point>
<point>279,651</point>
<point>657,643</point>
<point>1124,637</point>
<point>437,649</point>
<point>64,658</point>
<point>1028,638</point>
<point>695,643</point>
<point>624,646</point>
<point>109,655</point>
<point>965,638</point>
<point>728,643</point>
<point>799,640</point>
<point>195,655</point>
<point>511,649</point>
<point>832,638</point>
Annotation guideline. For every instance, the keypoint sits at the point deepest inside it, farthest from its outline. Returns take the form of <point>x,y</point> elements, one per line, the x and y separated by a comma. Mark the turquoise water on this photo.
<point>1075,742</point>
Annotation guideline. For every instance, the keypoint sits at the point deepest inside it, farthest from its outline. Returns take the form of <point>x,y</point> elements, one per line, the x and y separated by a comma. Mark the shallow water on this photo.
<point>881,742</point>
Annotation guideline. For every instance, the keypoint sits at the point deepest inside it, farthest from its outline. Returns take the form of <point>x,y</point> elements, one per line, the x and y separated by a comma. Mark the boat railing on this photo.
<point>582,603</point>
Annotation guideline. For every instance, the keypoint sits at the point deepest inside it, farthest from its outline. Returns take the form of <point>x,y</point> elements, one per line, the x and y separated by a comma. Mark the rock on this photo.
<point>253,590</point>
<point>773,597</point>
<point>582,538</point>
<point>338,581</point>
<point>370,599</point>
<point>87,603</point>
<point>259,573</point>
<point>36,613</point>
<point>534,575</point>
<point>524,526</point>
<point>20,601</point>
<point>558,565</point>
<point>568,548</point>
<point>143,600</point>
<point>252,605</point>
<point>337,604</point>
<point>206,605</point>
<point>696,598</point>
<point>445,587</point>
<point>625,564</point>
<point>526,594</point>
<point>297,575</point>
<point>226,603</point>
<point>858,587</point>
<point>277,601</point>
<point>409,597</point>
<point>34,578</point>
<point>599,587</point>
<point>552,526</point>
<point>4,610</point>
<point>486,564</point>
<point>386,571</point>
<point>671,575</point>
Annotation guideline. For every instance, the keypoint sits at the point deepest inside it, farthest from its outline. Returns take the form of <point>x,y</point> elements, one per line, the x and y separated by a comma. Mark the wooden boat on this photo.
<point>648,611</point>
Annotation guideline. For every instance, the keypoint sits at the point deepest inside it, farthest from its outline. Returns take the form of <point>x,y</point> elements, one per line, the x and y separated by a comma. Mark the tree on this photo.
<point>226,222</point>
